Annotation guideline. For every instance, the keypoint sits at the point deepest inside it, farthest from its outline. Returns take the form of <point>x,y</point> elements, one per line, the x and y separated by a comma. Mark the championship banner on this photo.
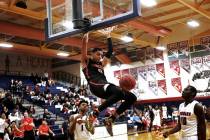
<point>117,74</point>
<point>173,49</point>
<point>159,54</point>
<point>205,41</point>
<point>183,47</point>
<point>134,73</point>
<point>185,64</point>
<point>162,86</point>
<point>151,73</point>
<point>124,72</point>
<point>197,64</point>
<point>160,69</point>
<point>141,55</point>
<point>174,65</point>
<point>206,62</point>
<point>142,72</point>
<point>150,53</point>
<point>153,87</point>
<point>176,83</point>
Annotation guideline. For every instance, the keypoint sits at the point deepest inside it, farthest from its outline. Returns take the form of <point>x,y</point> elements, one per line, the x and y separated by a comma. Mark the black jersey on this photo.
<point>94,73</point>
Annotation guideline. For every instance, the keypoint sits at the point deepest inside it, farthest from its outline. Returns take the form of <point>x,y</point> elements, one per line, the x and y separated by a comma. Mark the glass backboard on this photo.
<point>62,15</point>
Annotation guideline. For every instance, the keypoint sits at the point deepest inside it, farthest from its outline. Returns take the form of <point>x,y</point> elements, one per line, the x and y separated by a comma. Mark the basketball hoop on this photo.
<point>107,30</point>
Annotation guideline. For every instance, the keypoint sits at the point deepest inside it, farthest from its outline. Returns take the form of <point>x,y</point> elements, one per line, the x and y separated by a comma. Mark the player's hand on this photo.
<point>166,134</point>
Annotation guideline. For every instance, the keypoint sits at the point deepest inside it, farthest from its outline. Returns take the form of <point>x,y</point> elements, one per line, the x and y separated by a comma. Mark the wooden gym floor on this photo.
<point>152,136</point>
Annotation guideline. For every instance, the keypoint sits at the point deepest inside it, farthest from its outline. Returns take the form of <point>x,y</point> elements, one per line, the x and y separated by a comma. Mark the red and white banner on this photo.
<point>185,64</point>
<point>183,47</point>
<point>134,73</point>
<point>159,54</point>
<point>124,72</point>
<point>177,84</point>
<point>141,55</point>
<point>142,72</point>
<point>162,86</point>
<point>150,53</point>
<point>174,65</point>
<point>205,40</point>
<point>117,74</point>
<point>153,87</point>
<point>197,64</point>
<point>151,73</point>
<point>160,69</point>
<point>173,49</point>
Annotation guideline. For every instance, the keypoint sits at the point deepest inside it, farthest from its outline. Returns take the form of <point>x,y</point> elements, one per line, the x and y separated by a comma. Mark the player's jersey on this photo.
<point>94,73</point>
<point>164,110</point>
<point>188,119</point>
<point>80,132</point>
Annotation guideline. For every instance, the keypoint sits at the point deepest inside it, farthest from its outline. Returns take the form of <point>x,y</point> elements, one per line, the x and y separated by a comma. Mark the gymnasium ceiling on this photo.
<point>25,28</point>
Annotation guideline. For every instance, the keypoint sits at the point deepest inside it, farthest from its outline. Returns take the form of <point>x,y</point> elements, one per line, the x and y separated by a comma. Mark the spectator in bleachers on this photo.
<point>137,121</point>
<point>17,131</point>
<point>46,114</point>
<point>28,127</point>
<point>45,131</point>
<point>3,125</point>
<point>5,111</point>
<point>8,102</point>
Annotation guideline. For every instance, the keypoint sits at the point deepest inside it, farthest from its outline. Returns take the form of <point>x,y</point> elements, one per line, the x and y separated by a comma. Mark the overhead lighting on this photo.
<point>68,24</point>
<point>6,45</point>
<point>126,39</point>
<point>161,48</point>
<point>193,23</point>
<point>149,3</point>
<point>63,54</point>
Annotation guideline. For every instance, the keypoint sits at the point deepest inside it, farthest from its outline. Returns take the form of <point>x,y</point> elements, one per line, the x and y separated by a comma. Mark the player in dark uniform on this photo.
<point>99,86</point>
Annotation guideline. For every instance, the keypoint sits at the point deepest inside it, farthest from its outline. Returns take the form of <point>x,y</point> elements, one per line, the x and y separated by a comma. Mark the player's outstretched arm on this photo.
<point>199,112</point>
<point>84,50</point>
<point>177,128</point>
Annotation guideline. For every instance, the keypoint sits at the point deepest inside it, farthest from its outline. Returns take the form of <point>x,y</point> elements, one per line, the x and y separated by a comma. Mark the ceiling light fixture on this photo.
<point>161,48</point>
<point>63,54</point>
<point>149,3</point>
<point>6,45</point>
<point>193,23</point>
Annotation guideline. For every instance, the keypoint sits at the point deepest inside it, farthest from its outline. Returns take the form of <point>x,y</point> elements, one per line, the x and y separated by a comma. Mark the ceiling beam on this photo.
<point>195,8</point>
<point>36,34</point>
<point>19,48</point>
<point>11,3</point>
<point>123,58</point>
<point>23,12</point>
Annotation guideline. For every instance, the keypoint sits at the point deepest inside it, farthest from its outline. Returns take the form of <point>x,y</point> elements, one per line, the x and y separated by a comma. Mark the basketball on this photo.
<point>127,82</point>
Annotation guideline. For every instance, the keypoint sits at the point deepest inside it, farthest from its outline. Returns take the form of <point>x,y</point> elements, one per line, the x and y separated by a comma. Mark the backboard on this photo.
<point>70,17</point>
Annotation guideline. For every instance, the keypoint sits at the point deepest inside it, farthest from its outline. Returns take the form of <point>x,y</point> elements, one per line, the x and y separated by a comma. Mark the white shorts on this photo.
<point>190,138</point>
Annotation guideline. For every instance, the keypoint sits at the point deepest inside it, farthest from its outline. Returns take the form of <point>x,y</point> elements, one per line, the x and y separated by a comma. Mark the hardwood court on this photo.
<point>152,136</point>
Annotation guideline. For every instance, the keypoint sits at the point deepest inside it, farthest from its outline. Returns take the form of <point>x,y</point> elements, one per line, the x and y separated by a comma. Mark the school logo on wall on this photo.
<point>197,63</point>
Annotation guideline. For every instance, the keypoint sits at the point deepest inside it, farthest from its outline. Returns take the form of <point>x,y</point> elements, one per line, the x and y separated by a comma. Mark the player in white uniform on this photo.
<point>157,120</point>
<point>164,114</point>
<point>79,123</point>
<point>191,118</point>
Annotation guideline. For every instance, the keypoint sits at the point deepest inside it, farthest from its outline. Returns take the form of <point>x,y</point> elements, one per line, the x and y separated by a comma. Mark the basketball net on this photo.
<point>108,30</point>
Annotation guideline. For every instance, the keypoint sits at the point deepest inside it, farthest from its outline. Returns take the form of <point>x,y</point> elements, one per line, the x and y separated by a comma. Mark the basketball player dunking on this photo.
<point>191,117</point>
<point>99,86</point>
